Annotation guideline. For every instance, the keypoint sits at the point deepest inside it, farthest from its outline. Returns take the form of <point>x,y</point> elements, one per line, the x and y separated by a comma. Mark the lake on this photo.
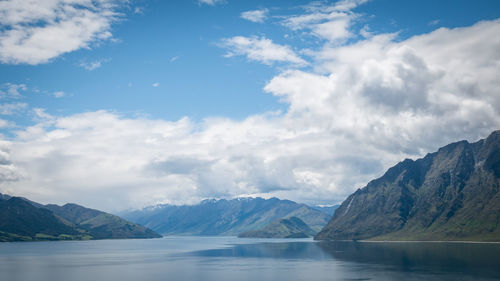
<point>230,258</point>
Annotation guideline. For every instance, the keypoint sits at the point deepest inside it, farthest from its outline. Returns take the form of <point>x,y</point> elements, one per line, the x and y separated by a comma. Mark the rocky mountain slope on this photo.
<point>224,217</point>
<point>283,228</point>
<point>451,194</point>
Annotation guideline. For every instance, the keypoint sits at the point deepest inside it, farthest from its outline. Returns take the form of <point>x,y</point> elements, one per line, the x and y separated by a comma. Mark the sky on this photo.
<point>118,104</point>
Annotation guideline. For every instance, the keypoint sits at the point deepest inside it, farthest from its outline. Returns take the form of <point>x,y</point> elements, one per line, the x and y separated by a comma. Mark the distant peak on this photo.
<point>72,205</point>
<point>211,200</point>
<point>494,137</point>
<point>495,133</point>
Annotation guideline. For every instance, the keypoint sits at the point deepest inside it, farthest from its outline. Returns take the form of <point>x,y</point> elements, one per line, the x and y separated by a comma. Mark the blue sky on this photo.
<point>174,43</point>
<point>271,98</point>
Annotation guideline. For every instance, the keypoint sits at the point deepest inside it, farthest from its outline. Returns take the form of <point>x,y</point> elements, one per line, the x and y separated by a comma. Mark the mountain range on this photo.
<point>25,220</point>
<point>451,194</point>
<point>224,217</point>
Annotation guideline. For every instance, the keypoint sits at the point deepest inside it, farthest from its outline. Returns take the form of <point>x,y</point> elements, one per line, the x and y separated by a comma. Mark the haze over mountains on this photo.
<point>451,194</point>
<point>224,217</point>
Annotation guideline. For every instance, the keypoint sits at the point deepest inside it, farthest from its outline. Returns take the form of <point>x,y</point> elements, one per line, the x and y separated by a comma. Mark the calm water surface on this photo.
<point>229,258</point>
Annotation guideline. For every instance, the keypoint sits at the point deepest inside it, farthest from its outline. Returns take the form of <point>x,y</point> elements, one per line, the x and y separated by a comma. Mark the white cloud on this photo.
<point>92,65</point>
<point>258,16</point>
<point>139,10</point>
<point>12,108</point>
<point>210,2</point>
<point>329,22</point>
<point>260,49</point>
<point>346,5</point>
<point>434,22</point>
<point>5,124</point>
<point>43,117</point>
<point>59,94</point>
<point>365,32</point>
<point>35,32</point>
<point>9,90</point>
<point>156,84</point>
<point>389,92</point>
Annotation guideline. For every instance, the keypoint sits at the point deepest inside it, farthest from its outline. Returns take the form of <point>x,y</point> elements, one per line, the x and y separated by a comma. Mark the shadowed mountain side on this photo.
<point>452,194</point>
<point>21,221</point>
<point>101,225</point>
<point>25,220</point>
<point>224,217</point>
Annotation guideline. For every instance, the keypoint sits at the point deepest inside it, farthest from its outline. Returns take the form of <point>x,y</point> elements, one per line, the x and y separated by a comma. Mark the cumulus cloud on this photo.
<point>34,32</point>
<point>258,16</point>
<point>8,171</point>
<point>158,161</point>
<point>260,49</point>
<point>390,93</point>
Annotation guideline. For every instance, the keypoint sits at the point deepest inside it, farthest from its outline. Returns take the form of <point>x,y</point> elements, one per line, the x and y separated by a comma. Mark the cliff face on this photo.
<point>452,194</point>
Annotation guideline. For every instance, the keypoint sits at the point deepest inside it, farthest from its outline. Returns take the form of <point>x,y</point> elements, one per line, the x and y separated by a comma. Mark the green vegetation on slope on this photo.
<point>24,220</point>
<point>101,225</point>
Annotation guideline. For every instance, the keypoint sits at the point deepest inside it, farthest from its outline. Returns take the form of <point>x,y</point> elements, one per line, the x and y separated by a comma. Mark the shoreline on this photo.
<point>414,241</point>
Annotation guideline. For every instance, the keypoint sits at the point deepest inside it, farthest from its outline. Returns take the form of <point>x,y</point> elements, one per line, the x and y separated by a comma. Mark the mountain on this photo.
<point>21,221</point>
<point>451,194</point>
<point>292,227</point>
<point>101,225</point>
<point>7,197</point>
<point>4,197</point>
<point>224,217</point>
<point>25,220</point>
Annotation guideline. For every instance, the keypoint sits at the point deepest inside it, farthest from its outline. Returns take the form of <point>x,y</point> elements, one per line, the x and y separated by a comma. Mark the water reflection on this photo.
<point>284,250</point>
<point>412,254</point>
<point>230,258</point>
<point>459,259</point>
